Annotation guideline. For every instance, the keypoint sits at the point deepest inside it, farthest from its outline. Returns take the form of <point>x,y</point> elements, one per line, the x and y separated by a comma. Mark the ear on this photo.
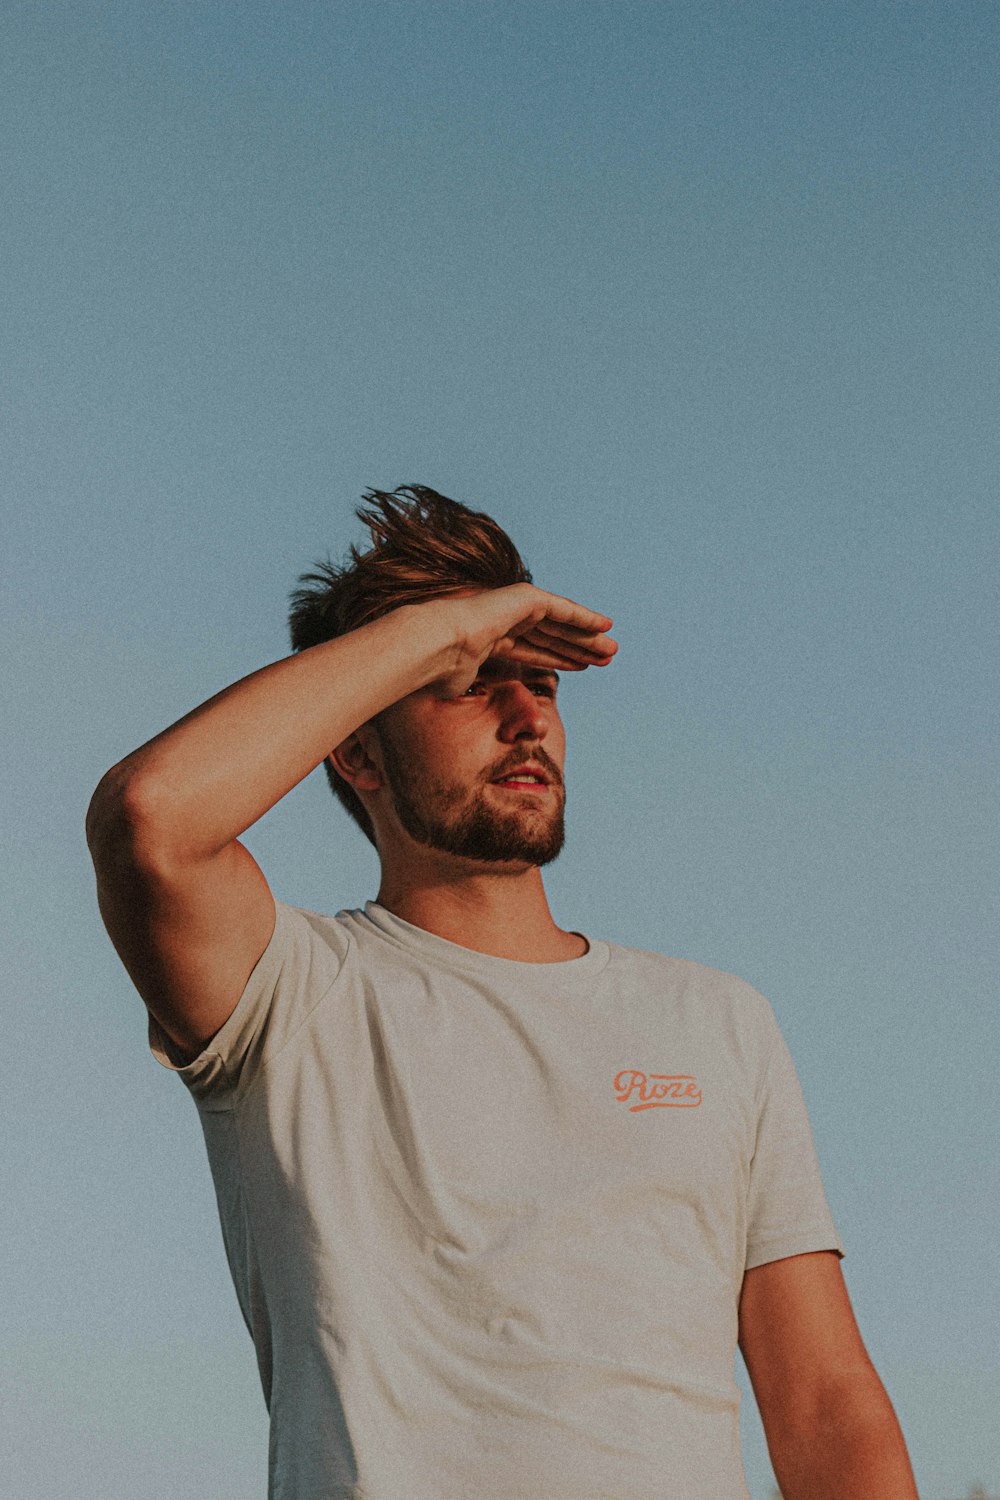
<point>354,762</point>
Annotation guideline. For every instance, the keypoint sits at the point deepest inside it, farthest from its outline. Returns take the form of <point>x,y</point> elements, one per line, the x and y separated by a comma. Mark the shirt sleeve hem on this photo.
<point>801,1244</point>
<point>160,1044</point>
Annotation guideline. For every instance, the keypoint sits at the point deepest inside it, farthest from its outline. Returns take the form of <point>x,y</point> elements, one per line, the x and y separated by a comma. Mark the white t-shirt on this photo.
<point>488,1220</point>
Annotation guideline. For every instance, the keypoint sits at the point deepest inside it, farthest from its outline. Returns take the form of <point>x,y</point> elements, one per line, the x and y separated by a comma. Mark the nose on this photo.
<point>522,715</point>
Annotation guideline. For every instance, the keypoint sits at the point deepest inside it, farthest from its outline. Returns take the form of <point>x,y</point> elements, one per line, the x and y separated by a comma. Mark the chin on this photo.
<point>509,846</point>
<point>511,840</point>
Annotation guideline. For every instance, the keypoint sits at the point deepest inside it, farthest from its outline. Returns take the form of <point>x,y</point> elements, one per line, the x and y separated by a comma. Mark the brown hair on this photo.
<point>425,546</point>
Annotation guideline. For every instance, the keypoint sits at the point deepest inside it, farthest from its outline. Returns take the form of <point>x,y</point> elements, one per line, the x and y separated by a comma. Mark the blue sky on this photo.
<point>700,301</point>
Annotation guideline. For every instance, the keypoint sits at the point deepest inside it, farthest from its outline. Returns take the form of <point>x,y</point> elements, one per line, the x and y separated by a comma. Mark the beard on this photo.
<point>454,820</point>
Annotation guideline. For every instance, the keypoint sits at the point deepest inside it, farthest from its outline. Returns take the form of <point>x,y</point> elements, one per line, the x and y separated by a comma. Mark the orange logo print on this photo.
<point>657,1090</point>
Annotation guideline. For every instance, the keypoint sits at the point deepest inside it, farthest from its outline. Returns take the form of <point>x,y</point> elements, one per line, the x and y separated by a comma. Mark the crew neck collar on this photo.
<point>456,956</point>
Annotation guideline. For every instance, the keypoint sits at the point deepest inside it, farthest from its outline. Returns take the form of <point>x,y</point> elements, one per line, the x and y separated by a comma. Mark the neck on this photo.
<point>504,915</point>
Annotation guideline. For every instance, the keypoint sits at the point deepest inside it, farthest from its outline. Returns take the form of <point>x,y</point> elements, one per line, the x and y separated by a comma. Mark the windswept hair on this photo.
<point>424,547</point>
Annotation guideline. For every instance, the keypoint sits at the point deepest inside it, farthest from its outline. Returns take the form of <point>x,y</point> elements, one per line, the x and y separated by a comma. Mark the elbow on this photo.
<point>119,817</point>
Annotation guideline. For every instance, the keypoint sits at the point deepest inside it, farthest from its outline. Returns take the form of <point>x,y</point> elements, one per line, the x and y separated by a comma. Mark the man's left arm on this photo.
<point>831,1431</point>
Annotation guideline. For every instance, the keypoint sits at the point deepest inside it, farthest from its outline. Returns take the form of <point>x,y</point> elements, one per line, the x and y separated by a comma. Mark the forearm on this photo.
<point>849,1446</point>
<point>201,783</point>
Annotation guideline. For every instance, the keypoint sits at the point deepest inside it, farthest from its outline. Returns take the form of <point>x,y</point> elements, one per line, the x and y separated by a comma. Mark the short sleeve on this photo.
<point>787,1209</point>
<point>301,962</point>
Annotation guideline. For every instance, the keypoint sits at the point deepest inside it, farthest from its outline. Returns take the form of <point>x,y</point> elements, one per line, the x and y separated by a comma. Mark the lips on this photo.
<point>524,776</point>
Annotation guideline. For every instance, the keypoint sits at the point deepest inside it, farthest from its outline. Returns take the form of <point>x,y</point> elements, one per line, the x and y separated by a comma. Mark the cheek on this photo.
<point>438,760</point>
<point>411,739</point>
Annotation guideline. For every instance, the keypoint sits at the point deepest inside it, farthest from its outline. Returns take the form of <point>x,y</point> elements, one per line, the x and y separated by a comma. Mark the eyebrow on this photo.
<point>492,668</point>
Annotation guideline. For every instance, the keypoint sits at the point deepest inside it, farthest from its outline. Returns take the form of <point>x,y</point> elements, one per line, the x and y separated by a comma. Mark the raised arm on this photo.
<point>831,1431</point>
<point>185,904</point>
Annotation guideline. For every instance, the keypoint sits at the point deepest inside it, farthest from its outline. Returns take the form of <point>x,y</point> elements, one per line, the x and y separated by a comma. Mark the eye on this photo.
<point>481,685</point>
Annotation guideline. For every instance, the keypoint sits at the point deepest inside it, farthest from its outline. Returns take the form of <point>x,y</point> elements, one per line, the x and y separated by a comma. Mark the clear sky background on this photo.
<point>700,301</point>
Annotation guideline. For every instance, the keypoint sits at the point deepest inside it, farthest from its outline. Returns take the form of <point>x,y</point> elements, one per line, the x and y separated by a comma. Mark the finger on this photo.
<point>562,631</point>
<point>530,655</point>
<point>562,638</point>
<point>567,650</point>
<point>535,655</point>
<point>565,631</point>
<point>568,612</point>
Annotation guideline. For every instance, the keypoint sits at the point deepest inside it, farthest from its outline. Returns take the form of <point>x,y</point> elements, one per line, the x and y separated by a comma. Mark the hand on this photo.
<point>525,624</point>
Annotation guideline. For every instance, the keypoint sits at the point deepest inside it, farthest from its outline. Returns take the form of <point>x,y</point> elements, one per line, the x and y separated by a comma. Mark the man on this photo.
<point>497,1199</point>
